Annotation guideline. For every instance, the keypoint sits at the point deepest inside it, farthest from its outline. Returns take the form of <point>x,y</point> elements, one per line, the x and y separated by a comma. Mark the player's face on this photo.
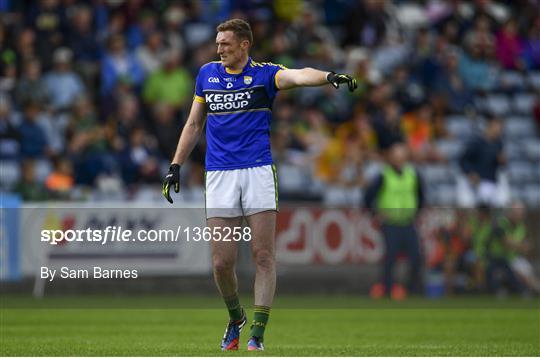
<point>230,49</point>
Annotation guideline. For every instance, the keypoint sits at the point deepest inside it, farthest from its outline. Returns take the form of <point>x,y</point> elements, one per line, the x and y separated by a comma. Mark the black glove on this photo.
<point>336,79</point>
<point>172,178</point>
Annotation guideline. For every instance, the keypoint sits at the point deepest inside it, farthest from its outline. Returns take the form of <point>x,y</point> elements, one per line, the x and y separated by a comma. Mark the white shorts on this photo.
<point>241,192</point>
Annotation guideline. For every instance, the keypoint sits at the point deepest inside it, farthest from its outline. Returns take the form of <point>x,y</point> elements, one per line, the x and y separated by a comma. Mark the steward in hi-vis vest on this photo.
<point>395,197</point>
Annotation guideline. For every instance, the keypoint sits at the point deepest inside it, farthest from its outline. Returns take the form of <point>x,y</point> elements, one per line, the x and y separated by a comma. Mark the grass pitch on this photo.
<point>459,327</point>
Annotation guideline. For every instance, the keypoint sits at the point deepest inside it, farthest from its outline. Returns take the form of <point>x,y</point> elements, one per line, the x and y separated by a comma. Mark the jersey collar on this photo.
<point>236,72</point>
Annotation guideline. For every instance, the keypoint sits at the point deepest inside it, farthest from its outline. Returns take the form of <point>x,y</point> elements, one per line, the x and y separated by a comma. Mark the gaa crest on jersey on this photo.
<point>248,80</point>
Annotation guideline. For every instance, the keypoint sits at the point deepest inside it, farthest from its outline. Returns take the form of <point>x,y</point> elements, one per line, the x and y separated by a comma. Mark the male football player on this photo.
<point>234,96</point>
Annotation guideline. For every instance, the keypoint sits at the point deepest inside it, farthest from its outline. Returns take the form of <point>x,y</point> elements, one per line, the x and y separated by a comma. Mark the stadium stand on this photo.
<point>429,72</point>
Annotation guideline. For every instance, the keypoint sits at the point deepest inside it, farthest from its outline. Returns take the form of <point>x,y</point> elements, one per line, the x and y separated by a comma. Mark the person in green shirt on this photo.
<point>517,247</point>
<point>172,84</point>
<point>28,187</point>
<point>481,227</point>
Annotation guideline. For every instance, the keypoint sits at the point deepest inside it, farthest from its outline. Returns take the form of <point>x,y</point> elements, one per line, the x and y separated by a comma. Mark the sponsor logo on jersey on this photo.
<point>228,101</point>
<point>213,79</point>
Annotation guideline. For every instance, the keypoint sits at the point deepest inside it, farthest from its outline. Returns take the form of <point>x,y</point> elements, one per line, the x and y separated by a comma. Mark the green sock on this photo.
<point>260,318</point>
<point>233,305</point>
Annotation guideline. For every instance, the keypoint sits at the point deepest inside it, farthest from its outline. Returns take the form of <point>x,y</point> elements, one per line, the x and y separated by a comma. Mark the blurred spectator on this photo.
<point>172,85</point>
<point>126,118</point>
<point>499,275</point>
<point>359,127</point>
<point>477,73</point>
<point>214,13</point>
<point>152,53</point>
<point>366,24</point>
<point>138,159</point>
<point>480,162</point>
<point>480,37</point>
<point>334,105</point>
<point>10,140</point>
<point>396,195</point>
<point>359,65</point>
<point>60,181</point>
<point>377,97</point>
<point>352,146</point>
<point>48,18</point>
<point>481,226</point>
<point>281,46</point>
<point>83,130</point>
<point>63,84</point>
<point>138,31</point>
<point>388,125</point>
<point>82,38</point>
<point>174,18</point>
<point>425,65</point>
<point>165,127</point>
<point>345,179</point>
<point>287,147</point>
<point>28,187</point>
<point>518,246</point>
<point>313,42</point>
<point>114,21</point>
<point>26,46</point>
<point>419,131</point>
<point>394,52</point>
<point>262,36</point>
<point>451,86</point>
<point>531,48</point>
<point>406,89</point>
<point>119,63</point>
<point>31,87</point>
<point>314,133</point>
<point>451,31</point>
<point>34,143</point>
<point>457,242</point>
<point>108,105</point>
<point>87,145</point>
<point>8,77</point>
<point>5,47</point>
<point>510,47</point>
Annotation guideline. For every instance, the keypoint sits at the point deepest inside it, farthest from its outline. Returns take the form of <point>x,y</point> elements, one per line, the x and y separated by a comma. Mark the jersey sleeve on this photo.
<point>272,73</point>
<point>199,95</point>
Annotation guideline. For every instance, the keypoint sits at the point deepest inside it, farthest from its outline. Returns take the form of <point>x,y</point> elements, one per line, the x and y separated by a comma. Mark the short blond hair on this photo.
<point>239,27</point>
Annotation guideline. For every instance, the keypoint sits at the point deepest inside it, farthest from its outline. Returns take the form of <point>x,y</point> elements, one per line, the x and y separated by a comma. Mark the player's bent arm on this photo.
<point>308,76</point>
<point>191,132</point>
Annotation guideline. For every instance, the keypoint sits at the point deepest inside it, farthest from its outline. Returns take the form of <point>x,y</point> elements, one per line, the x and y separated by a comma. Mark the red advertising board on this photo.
<point>340,236</point>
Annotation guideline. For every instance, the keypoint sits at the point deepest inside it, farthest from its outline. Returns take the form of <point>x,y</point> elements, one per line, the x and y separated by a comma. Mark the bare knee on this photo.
<point>264,259</point>
<point>222,265</point>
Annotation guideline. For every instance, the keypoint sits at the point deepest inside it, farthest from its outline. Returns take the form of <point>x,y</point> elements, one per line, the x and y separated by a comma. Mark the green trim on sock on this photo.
<point>260,319</point>
<point>234,307</point>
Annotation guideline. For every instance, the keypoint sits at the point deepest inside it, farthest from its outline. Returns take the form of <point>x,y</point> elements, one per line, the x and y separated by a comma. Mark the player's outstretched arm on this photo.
<point>189,137</point>
<point>308,76</point>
